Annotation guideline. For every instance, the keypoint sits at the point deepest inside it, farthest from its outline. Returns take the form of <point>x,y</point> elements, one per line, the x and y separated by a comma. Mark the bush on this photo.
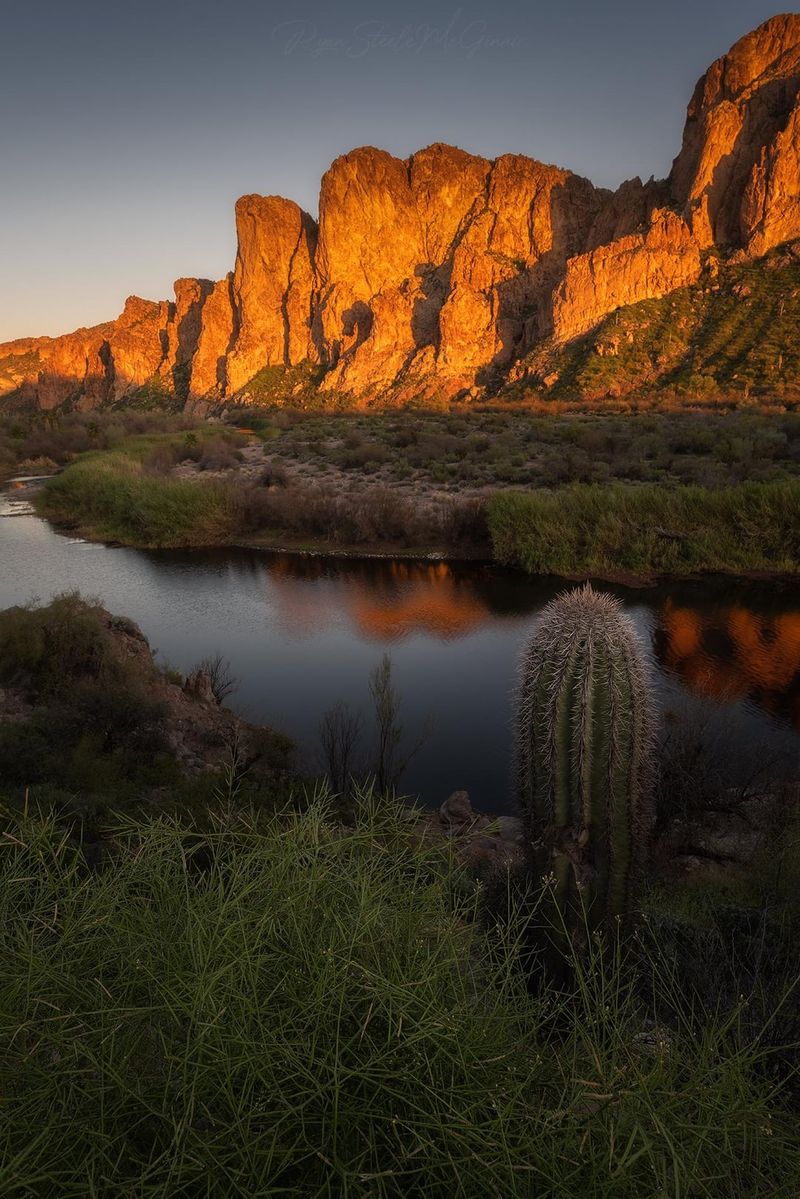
<point>96,725</point>
<point>218,455</point>
<point>361,517</point>
<point>48,649</point>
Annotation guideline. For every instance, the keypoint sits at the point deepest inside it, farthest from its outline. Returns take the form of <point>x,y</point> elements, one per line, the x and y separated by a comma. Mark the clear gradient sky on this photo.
<point>127,130</point>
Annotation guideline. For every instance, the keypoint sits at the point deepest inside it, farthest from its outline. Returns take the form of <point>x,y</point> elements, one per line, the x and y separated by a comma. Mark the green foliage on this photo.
<point>475,448</point>
<point>56,437</point>
<point>113,496</point>
<point>95,726</point>
<point>618,530</point>
<point>584,729</point>
<point>297,385</point>
<point>286,1006</point>
<point>49,649</point>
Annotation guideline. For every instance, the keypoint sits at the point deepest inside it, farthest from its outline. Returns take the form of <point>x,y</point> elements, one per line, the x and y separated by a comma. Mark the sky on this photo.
<point>127,130</point>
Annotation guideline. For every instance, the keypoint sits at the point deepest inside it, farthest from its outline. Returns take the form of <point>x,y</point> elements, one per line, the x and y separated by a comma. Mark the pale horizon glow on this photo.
<point>127,133</point>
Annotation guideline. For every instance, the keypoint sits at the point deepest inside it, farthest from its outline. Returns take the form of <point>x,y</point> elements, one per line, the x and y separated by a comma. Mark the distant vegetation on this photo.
<point>40,442</point>
<point>612,531</point>
<point>608,496</point>
<point>129,495</point>
<point>547,445</point>
<point>114,498</point>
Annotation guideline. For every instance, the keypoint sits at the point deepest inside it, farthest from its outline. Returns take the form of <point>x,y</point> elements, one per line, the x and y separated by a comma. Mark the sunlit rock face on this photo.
<point>184,328</point>
<point>442,264</point>
<point>737,175</point>
<point>435,274</point>
<point>208,375</point>
<point>642,266</point>
<point>103,364</point>
<point>272,287</point>
<point>76,367</point>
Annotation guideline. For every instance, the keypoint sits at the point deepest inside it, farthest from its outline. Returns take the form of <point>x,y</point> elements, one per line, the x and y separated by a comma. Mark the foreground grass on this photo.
<point>608,531</point>
<point>287,1006</point>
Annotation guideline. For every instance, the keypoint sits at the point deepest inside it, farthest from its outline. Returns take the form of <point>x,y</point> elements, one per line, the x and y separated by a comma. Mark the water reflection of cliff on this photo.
<point>385,600</point>
<point>729,653</point>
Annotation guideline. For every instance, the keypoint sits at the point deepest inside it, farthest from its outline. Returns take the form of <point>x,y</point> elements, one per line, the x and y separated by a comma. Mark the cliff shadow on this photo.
<point>524,301</point>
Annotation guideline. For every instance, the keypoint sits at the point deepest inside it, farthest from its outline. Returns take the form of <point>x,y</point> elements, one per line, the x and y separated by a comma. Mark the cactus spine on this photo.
<point>584,734</point>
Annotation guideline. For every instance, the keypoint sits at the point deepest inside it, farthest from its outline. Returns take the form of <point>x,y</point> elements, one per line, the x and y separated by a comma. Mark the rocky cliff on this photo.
<point>439,274</point>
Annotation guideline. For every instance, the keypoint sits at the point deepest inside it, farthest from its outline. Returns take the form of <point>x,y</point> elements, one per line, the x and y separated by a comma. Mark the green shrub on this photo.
<point>616,530</point>
<point>112,496</point>
<point>47,649</point>
<point>96,725</point>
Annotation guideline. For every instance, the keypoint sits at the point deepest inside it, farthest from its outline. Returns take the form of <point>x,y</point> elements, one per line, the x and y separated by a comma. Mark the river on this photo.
<point>303,633</point>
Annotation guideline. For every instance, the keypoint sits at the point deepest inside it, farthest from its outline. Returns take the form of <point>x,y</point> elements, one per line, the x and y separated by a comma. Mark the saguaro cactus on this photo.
<point>584,734</point>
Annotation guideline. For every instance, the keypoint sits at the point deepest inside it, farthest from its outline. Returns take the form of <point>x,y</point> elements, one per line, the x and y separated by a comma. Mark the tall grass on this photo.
<point>115,498</point>
<point>285,1006</point>
<point>613,530</point>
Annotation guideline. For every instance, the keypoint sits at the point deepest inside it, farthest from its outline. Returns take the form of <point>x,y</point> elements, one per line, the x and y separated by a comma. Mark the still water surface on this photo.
<point>303,633</point>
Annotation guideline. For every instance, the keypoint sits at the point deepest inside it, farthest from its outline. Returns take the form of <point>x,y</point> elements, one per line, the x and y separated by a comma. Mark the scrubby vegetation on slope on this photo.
<point>542,445</point>
<point>86,712</point>
<point>734,333</point>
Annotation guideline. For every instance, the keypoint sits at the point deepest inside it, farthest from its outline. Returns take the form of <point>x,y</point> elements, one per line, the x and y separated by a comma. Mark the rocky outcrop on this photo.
<point>76,367</point>
<point>642,266</point>
<point>272,287</point>
<point>441,264</point>
<point>439,273</point>
<point>208,375</point>
<point>736,177</point>
<point>506,264</point>
<point>198,731</point>
<point>372,265</point>
<point>184,329</point>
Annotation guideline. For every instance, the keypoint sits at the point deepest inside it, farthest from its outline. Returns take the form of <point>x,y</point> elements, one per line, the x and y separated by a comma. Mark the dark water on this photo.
<point>304,633</point>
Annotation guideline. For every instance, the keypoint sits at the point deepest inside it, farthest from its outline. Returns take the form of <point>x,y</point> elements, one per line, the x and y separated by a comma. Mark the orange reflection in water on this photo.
<point>425,598</point>
<point>734,653</point>
<point>385,601</point>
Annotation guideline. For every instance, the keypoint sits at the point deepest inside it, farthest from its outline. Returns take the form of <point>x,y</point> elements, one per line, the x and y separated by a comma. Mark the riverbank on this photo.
<point>627,498</point>
<point>630,533</point>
